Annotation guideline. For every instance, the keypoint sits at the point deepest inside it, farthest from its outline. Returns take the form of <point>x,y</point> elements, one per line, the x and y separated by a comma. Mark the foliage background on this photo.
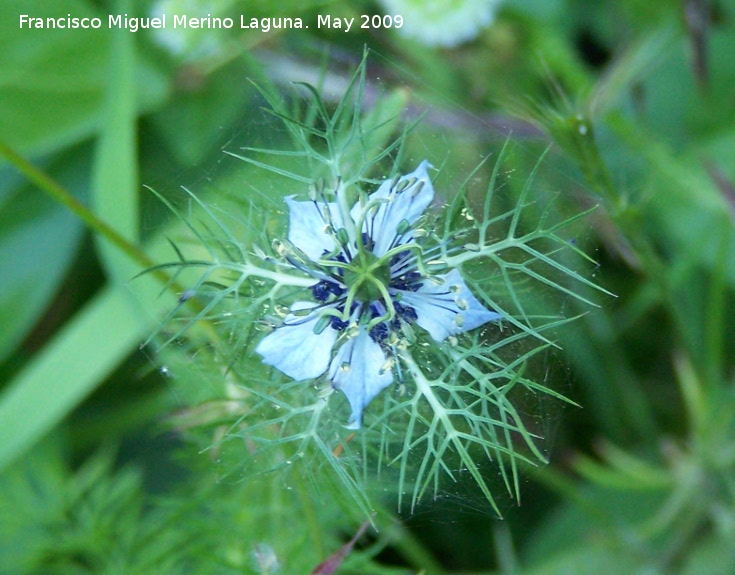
<point>636,100</point>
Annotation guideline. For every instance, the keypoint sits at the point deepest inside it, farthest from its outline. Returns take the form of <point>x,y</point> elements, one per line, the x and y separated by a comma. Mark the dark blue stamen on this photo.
<point>367,241</point>
<point>323,289</point>
<point>336,321</point>
<point>405,312</point>
<point>376,309</point>
<point>338,324</point>
<point>379,333</point>
<point>408,282</point>
<point>398,258</point>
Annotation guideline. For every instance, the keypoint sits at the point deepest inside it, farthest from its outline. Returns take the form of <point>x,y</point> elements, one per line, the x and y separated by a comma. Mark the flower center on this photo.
<point>365,276</point>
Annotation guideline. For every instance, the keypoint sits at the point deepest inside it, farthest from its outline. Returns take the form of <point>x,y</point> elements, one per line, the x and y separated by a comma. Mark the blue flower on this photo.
<point>372,282</point>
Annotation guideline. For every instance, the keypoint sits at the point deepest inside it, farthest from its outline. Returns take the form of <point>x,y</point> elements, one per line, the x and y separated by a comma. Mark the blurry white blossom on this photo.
<point>190,43</point>
<point>442,22</point>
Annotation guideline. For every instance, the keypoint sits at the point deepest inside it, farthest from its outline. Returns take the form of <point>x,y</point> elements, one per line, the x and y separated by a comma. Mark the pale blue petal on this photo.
<point>438,311</point>
<point>295,349</point>
<point>307,226</point>
<point>356,371</point>
<point>407,205</point>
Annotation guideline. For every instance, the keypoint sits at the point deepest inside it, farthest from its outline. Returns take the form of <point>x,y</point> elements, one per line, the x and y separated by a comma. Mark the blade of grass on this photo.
<point>59,194</point>
<point>70,366</point>
<point>115,188</point>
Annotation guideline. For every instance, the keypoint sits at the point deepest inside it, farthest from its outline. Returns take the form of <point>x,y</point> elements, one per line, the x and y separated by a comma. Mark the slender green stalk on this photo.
<point>714,325</point>
<point>48,185</point>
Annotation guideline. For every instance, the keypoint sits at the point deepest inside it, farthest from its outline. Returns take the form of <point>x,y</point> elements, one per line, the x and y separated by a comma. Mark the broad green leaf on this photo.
<point>90,346</point>
<point>594,519</point>
<point>51,85</point>
<point>586,560</point>
<point>712,554</point>
<point>69,367</point>
<point>115,189</point>
<point>38,240</point>
<point>52,81</point>
<point>196,122</point>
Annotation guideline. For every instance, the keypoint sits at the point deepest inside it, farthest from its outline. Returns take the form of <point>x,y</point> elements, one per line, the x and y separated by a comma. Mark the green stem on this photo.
<point>249,269</point>
<point>714,325</point>
<point>59,194</point>
<point>48,185</point>
<point>347,221</point>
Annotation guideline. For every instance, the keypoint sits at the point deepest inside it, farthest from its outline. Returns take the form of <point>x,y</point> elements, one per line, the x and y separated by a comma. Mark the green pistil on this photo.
<point>366,275</point>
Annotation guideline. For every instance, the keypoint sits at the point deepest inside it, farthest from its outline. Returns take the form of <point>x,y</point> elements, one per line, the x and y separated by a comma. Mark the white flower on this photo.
<point>445,23</point>
<point>191,44</point>
<point>369,288</point>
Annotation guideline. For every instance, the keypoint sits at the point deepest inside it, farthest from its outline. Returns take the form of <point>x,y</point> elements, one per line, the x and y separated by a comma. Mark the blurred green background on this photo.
<point>635,101</point>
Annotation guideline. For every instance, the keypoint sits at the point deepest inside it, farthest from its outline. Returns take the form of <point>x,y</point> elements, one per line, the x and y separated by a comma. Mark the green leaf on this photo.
<point>595,521</point>
<point>586,560</point>
<point>713,554</point>
<point>51,85</point>
<point>56,518</point>
<point>115,190</point>
<point>71,365</point>
<point>38,240</point>
<point>51,90</point>
<point>195,123</point>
